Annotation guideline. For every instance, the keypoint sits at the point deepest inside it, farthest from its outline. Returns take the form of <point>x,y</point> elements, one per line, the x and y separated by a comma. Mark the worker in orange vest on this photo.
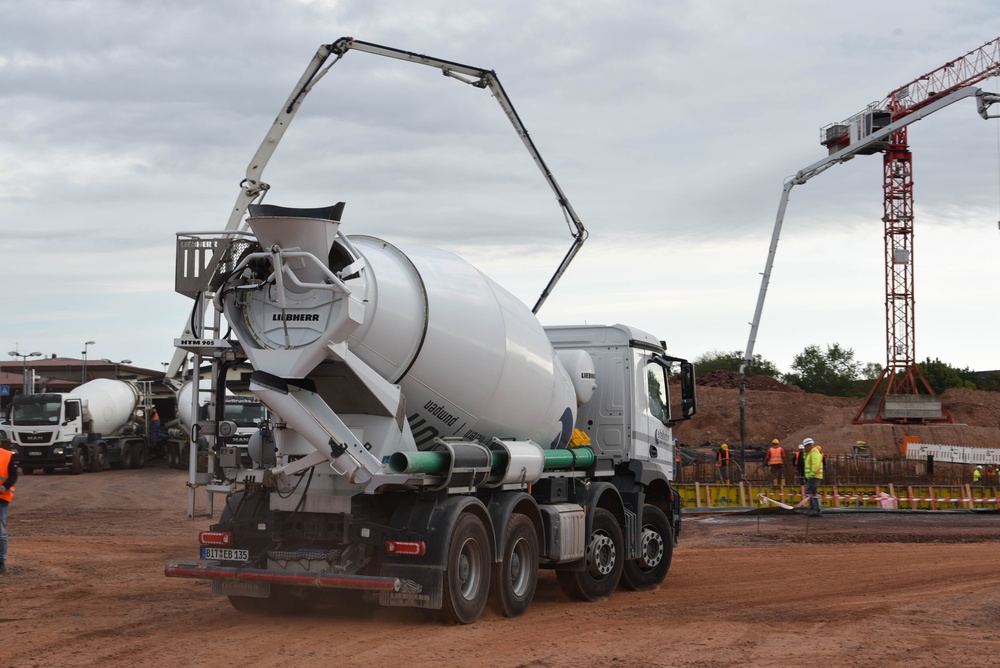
<point>722,462</point>
<point>775,459</point>
<point>8,476</point>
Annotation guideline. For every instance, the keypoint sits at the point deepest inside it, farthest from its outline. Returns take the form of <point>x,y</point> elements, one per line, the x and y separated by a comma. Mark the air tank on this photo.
<point>109,403</point>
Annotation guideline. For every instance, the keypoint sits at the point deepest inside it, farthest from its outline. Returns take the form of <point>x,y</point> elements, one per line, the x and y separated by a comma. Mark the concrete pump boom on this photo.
<point>926,108</point>
<point>253,188</point>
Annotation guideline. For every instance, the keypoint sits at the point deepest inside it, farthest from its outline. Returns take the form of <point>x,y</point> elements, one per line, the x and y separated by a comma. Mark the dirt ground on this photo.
<point>85,586</point>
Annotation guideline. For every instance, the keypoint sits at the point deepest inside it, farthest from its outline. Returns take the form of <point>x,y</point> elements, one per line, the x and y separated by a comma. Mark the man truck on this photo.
<point>430,444</point>
<point>101,424</point>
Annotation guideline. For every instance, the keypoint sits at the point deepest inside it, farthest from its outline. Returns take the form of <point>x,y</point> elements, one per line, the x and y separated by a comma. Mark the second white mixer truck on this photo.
<point>431,444</point>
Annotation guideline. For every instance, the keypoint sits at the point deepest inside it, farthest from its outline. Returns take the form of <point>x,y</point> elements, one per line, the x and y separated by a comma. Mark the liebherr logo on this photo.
<point>295,317</point>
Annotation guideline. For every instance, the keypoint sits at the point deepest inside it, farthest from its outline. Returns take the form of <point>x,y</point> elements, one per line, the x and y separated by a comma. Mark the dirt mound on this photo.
<point>731,380</point>
<point>792,415</point>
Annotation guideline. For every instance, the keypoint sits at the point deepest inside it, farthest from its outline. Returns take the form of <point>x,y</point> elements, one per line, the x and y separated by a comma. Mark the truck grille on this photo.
<point>33,438</point>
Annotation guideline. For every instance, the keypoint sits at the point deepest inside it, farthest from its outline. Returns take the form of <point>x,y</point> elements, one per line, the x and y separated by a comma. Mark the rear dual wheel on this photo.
<point>467,573</point>
<point>515,576</point>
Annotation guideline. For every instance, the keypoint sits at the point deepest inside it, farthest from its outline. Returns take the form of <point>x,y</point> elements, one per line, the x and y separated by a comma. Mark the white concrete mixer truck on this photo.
<point>431,445</point>
<point>101,424</point>
<point>245,413</point>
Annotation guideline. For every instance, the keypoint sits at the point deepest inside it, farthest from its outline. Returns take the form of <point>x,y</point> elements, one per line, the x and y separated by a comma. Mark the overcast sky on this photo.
<point>671,126</point>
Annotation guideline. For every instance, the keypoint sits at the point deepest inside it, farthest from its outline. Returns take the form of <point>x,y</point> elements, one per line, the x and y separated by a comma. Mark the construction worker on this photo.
<point>813,474</point>
<point>774,458</point>
<point>722,462</point>
<point>8,476</point>
<point>977,475</point>
<point>800,464</point>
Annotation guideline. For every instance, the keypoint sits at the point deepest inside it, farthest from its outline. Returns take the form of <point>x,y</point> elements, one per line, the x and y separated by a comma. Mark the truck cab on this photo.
<point>46,431</point>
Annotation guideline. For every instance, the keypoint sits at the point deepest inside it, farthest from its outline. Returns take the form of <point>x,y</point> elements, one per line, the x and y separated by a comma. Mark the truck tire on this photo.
<point>100,459</point>
<point>139,461</point>
<point>79,461</point>
<point>656,549</point>
<point>604,561</point>
<point>128,456</point>
<point>515,576</point>
<point>467,571</point>
<point>27,470</point>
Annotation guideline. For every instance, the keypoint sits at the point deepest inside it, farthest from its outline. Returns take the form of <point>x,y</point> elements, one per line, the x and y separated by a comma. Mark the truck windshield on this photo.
<point>245,414</point>
<point>36,413</point>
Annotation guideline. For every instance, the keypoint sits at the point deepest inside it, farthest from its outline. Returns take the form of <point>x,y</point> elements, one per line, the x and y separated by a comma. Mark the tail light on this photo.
<point>215,538</point>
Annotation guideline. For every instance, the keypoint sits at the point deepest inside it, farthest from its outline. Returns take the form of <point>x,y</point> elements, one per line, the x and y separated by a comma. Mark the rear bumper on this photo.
<point>203,569</point>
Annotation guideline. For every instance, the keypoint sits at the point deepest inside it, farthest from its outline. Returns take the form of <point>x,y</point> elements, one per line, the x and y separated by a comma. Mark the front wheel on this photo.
<point>605,559</point>
<point>467,574</point>
<point>515,576</point>
<point>128,456</point>
<point>656,549</point>
<point>27,470</point>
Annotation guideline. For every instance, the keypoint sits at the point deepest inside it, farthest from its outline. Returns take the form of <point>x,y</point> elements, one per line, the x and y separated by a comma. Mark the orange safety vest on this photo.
<point>5,457</point>
<point>776,456</point>
<point>722,459</point>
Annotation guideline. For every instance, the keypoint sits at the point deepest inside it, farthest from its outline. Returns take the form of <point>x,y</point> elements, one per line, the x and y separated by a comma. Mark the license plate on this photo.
<point>224,553</point>
<point>35,454</point>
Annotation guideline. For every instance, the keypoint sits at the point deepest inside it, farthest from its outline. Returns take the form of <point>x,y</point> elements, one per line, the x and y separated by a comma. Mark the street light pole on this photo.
<point>117,364</point>
<point>27,386</point>
<point>88,343</point>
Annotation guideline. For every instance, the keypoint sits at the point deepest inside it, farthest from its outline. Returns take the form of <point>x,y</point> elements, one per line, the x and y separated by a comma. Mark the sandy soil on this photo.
<point>85,587</point>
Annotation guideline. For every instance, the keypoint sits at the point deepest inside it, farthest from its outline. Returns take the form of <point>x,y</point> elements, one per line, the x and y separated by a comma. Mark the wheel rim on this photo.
<point>520,579</point>
<point>651,549</point>
<point>470,569</point>
<point>602,555</point>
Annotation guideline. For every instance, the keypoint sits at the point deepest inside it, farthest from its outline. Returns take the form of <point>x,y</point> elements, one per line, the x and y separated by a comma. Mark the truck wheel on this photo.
<point>79,461</point>
<point>249,605</point>
<point>516,574</point>
<point>128,456</point>
<point>655,552</point>
<point>27,470</point>
<point>139,460</point>
<point>172,455</point>
<point>100,459</point>
<point>467,573</point>
<point>605,558</point>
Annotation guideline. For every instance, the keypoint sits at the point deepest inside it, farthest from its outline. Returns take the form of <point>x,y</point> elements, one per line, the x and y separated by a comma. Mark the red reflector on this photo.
<point>413,548</point>
<point>215,538</point>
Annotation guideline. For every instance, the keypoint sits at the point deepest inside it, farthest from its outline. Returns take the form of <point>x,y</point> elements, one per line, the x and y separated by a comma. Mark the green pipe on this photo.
<point>439,461</point>
<point>571,458</point>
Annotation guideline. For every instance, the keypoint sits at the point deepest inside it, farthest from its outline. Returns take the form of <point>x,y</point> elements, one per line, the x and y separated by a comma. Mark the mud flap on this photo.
<point>422,586</point>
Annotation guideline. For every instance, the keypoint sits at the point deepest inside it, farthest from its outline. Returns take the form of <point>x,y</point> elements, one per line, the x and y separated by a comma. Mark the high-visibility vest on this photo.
<point>723,458</point>
<point>776,455</point>
<point>5,457</point>
<point>814,464</point>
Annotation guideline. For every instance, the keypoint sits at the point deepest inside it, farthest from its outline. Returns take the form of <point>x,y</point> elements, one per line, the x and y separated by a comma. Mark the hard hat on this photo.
<point>774,442</point>
<point>801,447</point>
<point>808,441</point>
<point>980,466</point>
<point>726,447</point>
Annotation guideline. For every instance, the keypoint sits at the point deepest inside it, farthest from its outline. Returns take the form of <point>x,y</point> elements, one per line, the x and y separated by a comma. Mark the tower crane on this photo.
<point>881,127</point>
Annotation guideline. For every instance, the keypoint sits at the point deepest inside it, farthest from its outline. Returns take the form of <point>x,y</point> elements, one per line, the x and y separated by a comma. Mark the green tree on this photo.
<point>716,360</point>
<point>833,372</point>
<point>941,376</point>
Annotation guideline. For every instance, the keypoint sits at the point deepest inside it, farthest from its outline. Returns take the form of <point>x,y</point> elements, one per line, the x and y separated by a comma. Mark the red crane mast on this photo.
<point>902,378</point>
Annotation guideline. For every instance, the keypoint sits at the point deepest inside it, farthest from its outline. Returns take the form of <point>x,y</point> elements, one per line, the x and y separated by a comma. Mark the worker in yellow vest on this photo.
<point>977,475</point>
<point>814,474</point>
